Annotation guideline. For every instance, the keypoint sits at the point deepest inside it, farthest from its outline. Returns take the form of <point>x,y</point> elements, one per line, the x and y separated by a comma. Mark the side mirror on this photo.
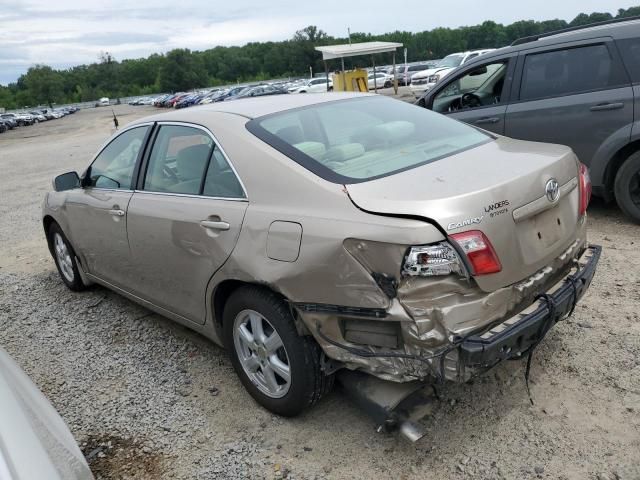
<point>66,181</point>
<point>479,71</point>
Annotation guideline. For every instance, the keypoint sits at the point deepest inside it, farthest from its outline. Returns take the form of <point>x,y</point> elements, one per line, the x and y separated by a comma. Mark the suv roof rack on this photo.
<point>533,38</point>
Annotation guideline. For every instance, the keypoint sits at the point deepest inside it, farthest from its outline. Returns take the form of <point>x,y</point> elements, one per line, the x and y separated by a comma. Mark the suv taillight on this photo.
<point>479,251</point>
<point>584,183</point>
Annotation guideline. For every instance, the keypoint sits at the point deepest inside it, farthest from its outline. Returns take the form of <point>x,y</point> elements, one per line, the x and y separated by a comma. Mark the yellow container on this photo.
<point>350,81</point>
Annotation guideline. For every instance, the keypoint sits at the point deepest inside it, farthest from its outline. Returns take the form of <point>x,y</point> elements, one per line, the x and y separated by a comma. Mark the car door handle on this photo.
<point>117,212</point>
<point>487,120</point>
<point>607,106</point>
<point>212,225</point>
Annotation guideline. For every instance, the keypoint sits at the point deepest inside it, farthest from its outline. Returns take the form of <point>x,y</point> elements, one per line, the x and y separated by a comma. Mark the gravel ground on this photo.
<point>146,398</point>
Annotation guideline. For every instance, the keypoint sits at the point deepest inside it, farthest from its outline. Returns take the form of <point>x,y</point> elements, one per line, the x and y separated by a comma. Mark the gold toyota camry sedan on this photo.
<point>313,233</point>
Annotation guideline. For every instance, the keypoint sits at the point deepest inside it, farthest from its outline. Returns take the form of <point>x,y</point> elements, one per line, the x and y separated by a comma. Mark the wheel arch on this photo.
<point>614,164</point>
<point>226,288</point>
<point>47,221</point>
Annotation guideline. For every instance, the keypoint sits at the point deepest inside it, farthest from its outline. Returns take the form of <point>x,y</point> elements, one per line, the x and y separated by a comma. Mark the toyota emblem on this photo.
<point>552,190</point>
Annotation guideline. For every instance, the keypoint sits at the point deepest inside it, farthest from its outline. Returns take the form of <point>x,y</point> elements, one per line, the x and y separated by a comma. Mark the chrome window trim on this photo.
<point>217,145</point>
<point>190,195</point>
<point>102,189</point>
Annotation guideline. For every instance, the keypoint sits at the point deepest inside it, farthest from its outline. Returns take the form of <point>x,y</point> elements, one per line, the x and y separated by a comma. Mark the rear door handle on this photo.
<point>607,106</point>
<point>211,225</point>
<point>487,120</point>
<point>117,212</point>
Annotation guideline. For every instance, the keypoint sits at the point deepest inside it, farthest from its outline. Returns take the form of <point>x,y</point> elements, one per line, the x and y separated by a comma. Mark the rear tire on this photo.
<point>253,317</point>
<point>65,259</point>
<point>627,187</point>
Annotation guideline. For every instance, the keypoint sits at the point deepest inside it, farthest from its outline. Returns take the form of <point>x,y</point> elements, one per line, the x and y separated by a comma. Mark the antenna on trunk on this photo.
<point>115,119</point>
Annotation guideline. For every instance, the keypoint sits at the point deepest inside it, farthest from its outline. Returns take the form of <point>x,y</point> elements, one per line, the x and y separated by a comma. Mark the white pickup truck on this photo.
<point>425,80</point>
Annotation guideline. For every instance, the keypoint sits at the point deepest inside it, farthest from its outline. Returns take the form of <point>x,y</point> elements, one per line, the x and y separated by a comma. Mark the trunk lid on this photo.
<point>499,188</point>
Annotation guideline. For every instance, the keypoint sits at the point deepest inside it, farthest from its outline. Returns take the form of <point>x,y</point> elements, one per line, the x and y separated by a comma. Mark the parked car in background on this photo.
<point>103,102</point>
<point>577,88</point>
<point>260,91</point>
<point>35,443</point>
<point>25,119</point>
<point>315,85</point>
<point>38,115</point>
<point>3,126</point>
<point>423,81</point>
<point>379,80</point>
<point>10,120</point>
<point>232,92</point>
<point>404,72</point>
<point>351,255</point>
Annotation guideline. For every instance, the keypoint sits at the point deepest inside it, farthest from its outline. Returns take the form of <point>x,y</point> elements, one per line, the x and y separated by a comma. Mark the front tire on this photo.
<point>279,368</point>
<point>65,258</point>
<point>627,187</point>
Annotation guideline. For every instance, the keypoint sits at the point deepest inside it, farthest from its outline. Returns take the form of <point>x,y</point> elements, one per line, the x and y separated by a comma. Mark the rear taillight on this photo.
<point>479,251</point>
<point>584,183</point>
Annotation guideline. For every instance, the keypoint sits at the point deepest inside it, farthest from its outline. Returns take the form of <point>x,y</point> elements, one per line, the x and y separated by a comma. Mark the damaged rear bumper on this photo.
<point>516,335</point>
<point>458,357</point>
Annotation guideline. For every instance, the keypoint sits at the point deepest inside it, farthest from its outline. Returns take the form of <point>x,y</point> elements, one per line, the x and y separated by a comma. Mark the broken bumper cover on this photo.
<point>515,336</point>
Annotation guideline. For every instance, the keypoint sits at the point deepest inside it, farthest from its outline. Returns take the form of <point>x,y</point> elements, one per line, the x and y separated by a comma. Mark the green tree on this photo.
<point>43,85</point>
<point>181,71</point>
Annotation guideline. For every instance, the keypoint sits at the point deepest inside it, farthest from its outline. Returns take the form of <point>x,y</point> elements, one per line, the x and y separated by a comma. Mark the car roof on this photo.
<point>253,107</point>
<point>618,29</point>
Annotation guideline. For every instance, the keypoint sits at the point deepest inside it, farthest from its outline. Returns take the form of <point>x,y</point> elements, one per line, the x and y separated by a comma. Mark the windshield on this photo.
<point>451,61</point>
<point>359,139</point>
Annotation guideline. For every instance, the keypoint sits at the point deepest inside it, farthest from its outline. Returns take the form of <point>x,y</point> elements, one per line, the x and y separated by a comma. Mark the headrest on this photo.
<point>191,161</point>
<point>315,150</point>
<point>341,153</point>
<point>291,135</point>
<point>391,132</point>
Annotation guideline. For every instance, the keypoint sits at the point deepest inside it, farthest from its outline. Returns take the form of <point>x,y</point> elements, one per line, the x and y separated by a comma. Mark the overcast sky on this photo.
<point>63,33</point>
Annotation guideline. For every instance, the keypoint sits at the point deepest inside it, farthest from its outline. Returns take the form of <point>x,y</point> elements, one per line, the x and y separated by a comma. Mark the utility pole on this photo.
<point>349,35</point>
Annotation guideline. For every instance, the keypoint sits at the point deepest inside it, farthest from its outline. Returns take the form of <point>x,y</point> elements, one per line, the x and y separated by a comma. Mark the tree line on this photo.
<point>181,69</point>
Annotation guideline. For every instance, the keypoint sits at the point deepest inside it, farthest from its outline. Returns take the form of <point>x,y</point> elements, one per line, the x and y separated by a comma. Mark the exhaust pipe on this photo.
<point>393,406</point>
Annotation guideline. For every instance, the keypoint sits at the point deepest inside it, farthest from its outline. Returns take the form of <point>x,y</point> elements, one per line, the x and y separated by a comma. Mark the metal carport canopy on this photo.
<point>330,52</point>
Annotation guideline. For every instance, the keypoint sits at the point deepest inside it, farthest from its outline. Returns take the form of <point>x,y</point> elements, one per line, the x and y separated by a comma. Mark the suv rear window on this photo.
<point>568,72</point>
<point>360,139</point>
<point>630,49</point>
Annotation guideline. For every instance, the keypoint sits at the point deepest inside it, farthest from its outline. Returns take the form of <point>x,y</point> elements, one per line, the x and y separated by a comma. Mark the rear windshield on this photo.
<point>360,139</point>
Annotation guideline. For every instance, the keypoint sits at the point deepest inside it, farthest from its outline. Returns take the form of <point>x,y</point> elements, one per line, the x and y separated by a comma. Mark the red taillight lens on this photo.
<point>584,182</point>
<point>479,251</point>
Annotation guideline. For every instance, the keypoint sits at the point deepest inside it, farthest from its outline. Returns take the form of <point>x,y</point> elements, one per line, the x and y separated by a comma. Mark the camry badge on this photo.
<point>552,190</point>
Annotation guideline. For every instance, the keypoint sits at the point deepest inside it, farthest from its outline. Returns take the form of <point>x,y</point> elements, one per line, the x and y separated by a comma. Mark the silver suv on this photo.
<point>577,87</point>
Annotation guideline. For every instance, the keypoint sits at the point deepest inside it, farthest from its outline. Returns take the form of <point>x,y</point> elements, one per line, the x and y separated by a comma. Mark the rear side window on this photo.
<point>630,49</point>
<point>186,160</point>
<point>178,160</point>
<point>568,72</point>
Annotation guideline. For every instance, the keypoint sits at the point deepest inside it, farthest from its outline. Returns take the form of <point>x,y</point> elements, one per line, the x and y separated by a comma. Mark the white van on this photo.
<point>104,102</point>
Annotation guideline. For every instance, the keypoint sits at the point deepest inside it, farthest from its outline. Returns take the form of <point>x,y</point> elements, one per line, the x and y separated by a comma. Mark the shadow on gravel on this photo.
<point>112,457</point>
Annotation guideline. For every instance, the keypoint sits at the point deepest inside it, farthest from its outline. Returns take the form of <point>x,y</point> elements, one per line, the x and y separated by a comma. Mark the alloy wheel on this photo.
<point>63,257</point>
<point>261,353</point>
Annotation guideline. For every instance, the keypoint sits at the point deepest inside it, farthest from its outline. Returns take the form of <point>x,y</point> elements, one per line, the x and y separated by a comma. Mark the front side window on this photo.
<point>178,160</point>
<point>480,87</point>
<point>567,72</point>
<point>355,140</point>
<point>113,167</point>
